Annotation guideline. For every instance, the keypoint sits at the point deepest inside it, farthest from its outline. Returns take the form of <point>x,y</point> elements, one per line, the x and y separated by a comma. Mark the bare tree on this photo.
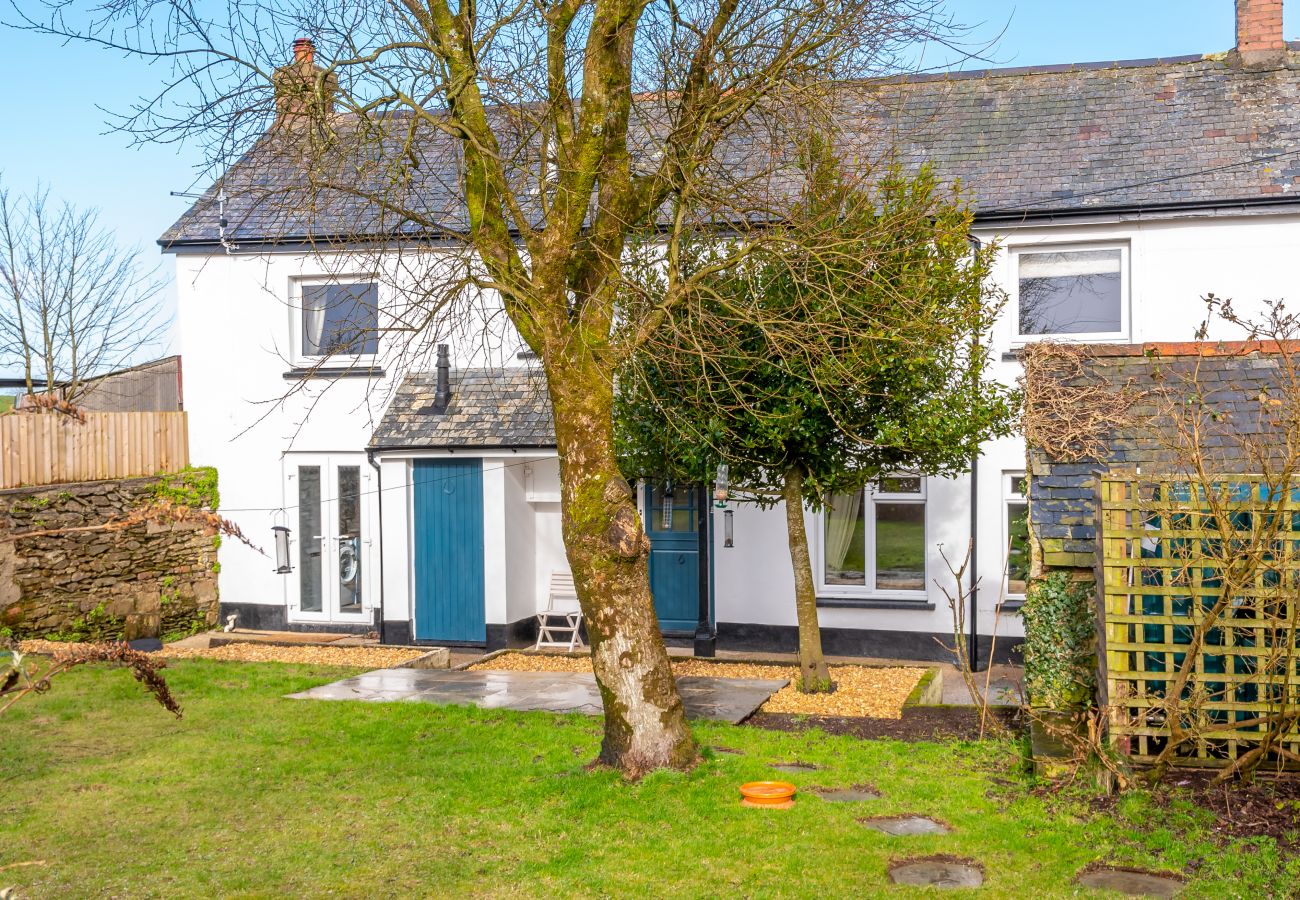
<point>536,138</point>
<point>73,304</point>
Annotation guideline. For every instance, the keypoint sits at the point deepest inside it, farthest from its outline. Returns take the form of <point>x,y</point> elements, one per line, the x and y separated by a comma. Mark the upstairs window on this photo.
<point>1077,293</point>
<point>874,540</point>
<point>337,319</point>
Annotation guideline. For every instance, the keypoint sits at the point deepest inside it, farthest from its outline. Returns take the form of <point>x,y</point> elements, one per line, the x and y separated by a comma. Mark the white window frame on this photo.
<point>296,312</point>
<point>1009,496</point>
<point>869,590</point>
<point>1125,299</point>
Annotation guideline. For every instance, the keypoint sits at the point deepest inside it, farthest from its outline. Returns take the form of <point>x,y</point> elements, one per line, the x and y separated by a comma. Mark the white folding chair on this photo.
<point>558,624</point>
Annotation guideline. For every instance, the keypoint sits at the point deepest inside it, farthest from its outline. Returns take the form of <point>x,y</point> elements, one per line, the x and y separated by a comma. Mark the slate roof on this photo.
<point>1230,377</point>
<point>1057,138</point>
<point>489,408</point>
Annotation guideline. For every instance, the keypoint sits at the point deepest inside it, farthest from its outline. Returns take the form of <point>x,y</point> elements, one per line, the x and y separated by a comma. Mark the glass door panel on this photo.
<point>349,538</point>
<point>310,596</point>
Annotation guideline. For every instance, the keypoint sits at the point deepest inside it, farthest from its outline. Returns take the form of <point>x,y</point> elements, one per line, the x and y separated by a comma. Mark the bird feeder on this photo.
<point>666,519</point>
<point>722,486</point>
<point>281,533</point>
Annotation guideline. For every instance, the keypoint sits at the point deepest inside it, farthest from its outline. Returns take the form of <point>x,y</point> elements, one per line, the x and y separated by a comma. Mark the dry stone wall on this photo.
<point>145,581</point>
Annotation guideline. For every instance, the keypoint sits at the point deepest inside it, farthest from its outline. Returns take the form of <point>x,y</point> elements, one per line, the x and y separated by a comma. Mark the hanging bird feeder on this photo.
<point>281,533</point>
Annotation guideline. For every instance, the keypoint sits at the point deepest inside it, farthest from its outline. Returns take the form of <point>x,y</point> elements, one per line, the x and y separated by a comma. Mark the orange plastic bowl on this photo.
<point>768,794</point>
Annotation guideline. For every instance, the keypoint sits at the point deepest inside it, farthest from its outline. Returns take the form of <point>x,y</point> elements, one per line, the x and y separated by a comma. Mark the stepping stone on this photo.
<point>794,768</point>
<point>1132,882</point>
<point>937,871</point>
<point>904,826</point>
<point>727,751</point>
<point>847,795</point>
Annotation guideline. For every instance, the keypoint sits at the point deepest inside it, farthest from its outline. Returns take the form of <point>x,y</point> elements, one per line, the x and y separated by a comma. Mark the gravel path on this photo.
<point>875,692</point>
<point>348,657</point>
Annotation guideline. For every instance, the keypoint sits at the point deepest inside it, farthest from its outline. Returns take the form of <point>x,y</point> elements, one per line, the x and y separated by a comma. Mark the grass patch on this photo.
<point>254,795</point>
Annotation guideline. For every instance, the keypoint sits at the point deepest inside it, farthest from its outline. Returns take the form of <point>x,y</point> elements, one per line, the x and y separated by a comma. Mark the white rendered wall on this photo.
<point>234,326</point>
<point>519,561</point>
<point>395,513</point>
<point>1172,264</point>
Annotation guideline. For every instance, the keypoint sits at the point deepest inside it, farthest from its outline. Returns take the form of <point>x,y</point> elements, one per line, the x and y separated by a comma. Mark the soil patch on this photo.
<point>1268,808</point>
<point>916,723</point>
<point>877,691</point>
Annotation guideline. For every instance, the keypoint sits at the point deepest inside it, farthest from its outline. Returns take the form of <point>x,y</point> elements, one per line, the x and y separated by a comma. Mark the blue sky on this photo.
<point>56,132</point>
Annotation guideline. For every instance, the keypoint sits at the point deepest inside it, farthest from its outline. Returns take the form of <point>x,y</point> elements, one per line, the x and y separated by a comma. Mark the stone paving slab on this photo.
<point>724,699</point>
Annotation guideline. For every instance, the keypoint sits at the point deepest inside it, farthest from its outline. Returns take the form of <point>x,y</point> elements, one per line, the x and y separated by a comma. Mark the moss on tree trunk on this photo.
<point>814,676</point>
<point>645,722</point>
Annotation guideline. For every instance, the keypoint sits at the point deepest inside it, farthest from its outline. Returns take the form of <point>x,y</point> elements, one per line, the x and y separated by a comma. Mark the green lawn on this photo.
<point>254,795</point>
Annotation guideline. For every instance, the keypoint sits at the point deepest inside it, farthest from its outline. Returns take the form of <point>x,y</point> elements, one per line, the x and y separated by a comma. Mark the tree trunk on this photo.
<point>815,677</point>
<point>645,722</point>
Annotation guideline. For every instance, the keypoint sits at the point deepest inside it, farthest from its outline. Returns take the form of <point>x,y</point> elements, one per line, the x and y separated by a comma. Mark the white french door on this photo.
<point>330,498</point>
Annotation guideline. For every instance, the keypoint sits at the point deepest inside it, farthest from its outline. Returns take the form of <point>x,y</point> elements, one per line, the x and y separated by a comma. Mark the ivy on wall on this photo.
<point>1060,642</point>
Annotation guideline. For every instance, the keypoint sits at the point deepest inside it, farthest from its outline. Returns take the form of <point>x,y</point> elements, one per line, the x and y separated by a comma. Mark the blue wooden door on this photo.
<point>673,527</point>
<point>449,550</point>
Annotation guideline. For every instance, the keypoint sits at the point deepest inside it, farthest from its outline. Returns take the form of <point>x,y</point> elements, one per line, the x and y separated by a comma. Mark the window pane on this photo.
<point>339,319</point>
<point>1019,485</point>
<point>1074,292</point>
<point>1017,547</point>
<point>900,546</point>
<point>900,484</point>
<point>846,540</point>
<point>349,538</point>
<point>309,522</point>
<point>675,513</point>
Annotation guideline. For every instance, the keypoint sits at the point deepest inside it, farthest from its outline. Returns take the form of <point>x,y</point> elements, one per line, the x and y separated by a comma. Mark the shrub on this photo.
<point>1060,642</point>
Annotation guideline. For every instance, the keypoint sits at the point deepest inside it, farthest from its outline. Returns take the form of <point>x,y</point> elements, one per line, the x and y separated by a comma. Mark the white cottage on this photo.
<point>428,510</point>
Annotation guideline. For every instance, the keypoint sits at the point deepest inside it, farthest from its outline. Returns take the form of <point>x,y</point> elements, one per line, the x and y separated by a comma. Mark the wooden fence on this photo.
<point>53,448</point>
<point>1201,615</point>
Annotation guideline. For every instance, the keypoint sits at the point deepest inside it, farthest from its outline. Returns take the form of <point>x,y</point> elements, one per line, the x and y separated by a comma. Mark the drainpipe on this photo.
<point>379,492</point>
<point>972,642</point>
<point>706,638</point>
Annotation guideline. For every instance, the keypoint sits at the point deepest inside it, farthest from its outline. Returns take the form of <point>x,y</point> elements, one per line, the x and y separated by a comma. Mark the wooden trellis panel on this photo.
<point>1166,564</point>
<point>51,448</point>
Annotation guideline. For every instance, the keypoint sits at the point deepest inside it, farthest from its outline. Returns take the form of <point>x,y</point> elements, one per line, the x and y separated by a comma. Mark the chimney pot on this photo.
<point>442,387</point>
<point>296,95</point>
<point>1259,31</point>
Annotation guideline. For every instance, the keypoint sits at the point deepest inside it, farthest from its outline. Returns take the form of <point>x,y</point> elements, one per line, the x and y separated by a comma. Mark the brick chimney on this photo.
<point>295,85</point>
<point>1259,31</point>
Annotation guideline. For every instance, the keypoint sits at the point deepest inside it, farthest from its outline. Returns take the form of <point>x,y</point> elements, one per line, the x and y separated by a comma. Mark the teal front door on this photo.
<point>673,525</point>
<point>448,550</point>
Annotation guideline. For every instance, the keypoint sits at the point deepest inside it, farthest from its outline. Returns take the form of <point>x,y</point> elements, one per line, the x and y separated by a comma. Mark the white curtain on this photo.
<point>313,321</point>
<point>841,521</point>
